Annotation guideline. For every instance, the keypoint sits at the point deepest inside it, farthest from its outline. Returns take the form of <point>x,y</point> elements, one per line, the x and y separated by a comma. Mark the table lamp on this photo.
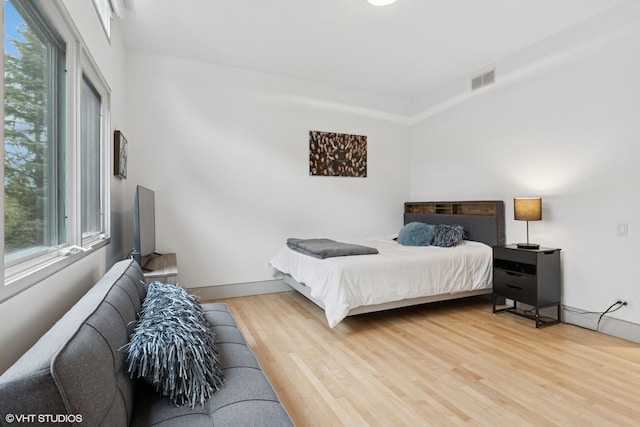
<point>527,209</point>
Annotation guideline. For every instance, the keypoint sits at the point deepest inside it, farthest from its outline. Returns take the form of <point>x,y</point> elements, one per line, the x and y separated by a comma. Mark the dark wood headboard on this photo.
<point>482,220</point>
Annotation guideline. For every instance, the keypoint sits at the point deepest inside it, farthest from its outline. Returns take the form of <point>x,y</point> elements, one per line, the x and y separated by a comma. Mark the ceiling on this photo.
<point>407,49</point>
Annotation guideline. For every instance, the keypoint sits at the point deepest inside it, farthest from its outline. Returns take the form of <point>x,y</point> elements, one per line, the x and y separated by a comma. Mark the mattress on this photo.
<point>397,272</point>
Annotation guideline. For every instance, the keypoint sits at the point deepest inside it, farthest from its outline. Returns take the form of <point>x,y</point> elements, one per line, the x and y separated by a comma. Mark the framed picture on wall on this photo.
<point>119,155</point>
<point>337,154</point>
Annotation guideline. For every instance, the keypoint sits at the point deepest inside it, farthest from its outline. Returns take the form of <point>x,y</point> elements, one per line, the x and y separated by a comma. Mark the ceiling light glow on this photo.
<point>381,2</point>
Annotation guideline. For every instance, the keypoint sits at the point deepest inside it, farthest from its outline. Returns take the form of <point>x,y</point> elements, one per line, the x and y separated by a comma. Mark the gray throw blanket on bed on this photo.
<point>327,248</point>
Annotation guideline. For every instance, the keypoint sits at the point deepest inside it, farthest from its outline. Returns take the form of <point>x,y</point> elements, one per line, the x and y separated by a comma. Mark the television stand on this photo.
<point>161,267</point>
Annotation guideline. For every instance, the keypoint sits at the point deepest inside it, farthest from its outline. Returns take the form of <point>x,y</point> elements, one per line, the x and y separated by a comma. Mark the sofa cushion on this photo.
<point>76,368</point>
<point>173,348</point>
<point>246,398</point>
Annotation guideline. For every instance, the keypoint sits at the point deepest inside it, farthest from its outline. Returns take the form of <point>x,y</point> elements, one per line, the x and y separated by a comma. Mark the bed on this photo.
<point>400,276</point>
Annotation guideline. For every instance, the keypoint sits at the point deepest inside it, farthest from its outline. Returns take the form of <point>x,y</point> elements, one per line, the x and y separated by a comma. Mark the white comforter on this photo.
<point>397,272</point>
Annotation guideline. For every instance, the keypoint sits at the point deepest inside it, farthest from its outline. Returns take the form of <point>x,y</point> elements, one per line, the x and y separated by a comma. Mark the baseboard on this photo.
<point>240,289</point>
<point>608,325</point>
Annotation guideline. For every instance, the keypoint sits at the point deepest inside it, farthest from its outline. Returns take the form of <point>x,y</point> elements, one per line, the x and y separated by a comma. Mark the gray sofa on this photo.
<point>76,374</point>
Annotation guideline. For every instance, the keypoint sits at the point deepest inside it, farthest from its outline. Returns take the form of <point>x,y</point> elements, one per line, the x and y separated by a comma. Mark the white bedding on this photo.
<point>397,272</point>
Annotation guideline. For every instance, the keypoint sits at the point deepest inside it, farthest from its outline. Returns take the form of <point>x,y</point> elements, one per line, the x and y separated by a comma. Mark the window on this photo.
<point>90,138</point>
<point>104,12</point>
<point>34,144</point>
<point>56,139</point>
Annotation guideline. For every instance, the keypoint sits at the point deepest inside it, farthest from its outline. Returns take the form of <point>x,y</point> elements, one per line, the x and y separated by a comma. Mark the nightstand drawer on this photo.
<point>515,278</point>
<point>517,292</point>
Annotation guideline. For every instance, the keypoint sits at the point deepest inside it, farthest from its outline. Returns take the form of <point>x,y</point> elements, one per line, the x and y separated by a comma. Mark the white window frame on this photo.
<point>89,69</point>
<point>103,7</point>
<point>78,62</point>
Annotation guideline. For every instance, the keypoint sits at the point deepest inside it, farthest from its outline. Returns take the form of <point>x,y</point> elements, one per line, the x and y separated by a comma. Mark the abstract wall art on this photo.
<point>337,154</point>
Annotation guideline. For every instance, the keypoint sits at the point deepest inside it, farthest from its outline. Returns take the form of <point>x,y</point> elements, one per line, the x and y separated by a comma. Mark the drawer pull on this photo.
<point>514,287</point>
<point>513,273</point>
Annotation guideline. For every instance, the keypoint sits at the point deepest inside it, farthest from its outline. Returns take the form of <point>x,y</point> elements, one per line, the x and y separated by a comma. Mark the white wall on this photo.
<point>562,122</point>
<point>226,151</point>
<point>25,317</point>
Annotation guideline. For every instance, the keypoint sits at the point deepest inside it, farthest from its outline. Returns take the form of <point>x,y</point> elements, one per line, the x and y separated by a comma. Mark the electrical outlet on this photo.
<point>629,303</point>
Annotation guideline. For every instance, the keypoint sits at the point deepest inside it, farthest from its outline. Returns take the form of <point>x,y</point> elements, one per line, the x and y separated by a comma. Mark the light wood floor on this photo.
<point>451,363</point>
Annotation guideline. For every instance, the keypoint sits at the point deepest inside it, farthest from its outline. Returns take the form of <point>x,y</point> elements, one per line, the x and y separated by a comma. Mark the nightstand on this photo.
<point>528,276</point>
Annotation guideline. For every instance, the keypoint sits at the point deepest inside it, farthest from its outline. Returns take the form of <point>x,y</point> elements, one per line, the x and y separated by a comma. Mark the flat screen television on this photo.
<point>144,225</point>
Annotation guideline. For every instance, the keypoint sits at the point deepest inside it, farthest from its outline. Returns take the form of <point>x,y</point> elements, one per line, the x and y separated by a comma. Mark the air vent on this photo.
<point>483,80</point>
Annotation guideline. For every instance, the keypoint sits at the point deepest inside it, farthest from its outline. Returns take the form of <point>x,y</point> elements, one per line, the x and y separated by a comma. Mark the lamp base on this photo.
<point>528,245</point>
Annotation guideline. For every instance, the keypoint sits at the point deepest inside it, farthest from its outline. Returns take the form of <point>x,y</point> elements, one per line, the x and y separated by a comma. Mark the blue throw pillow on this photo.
<point>446,235</point>
<point>173,348</point>
<point>416,234</point>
